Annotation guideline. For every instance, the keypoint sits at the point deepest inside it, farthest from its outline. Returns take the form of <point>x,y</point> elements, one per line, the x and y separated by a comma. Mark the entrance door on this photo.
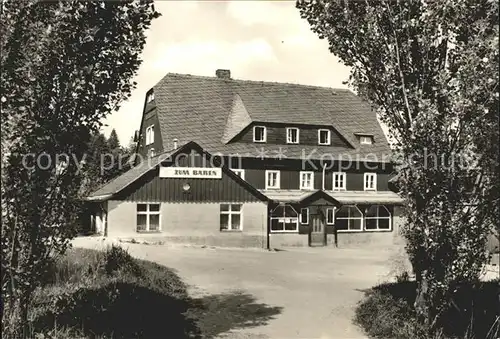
<point>318,235</point>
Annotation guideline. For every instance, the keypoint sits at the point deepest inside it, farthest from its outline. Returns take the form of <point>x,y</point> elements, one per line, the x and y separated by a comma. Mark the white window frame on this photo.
<point>150,97</point>
<point>344,181</point>
<point>329,138</point>
<point>278,179</point>
<point>264,134</point>
<point>148,213</point>
<point>361,218</point>
<point>152,152</point>
<point>304,211</point>
<point>230,214</point>
<point>150,135</point>
<point>377,217</point>
<point>330,222</point>
<point>239,172</point>
<point>366,181</point>
<point>301,184</point>
<point>282,220</point>
<point>365,140</point>
<point>288,135</point>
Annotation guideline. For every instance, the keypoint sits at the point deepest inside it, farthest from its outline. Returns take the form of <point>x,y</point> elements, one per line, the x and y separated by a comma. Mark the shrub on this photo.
<point>118,259</point>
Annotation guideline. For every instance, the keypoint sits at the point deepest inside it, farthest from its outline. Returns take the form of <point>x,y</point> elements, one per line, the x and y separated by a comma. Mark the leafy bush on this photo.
<point>387,312</point>
<point>118,259</point>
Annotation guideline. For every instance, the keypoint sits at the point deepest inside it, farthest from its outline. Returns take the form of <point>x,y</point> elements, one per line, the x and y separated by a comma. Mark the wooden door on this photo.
<point>317,235</point>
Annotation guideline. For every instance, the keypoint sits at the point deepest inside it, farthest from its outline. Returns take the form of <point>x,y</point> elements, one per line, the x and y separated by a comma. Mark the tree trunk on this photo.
<point>422,299</point>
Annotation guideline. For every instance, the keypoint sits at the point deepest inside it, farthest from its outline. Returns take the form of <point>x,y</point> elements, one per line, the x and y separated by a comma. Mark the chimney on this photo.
<point>175,143</point>
<point>223,74</point>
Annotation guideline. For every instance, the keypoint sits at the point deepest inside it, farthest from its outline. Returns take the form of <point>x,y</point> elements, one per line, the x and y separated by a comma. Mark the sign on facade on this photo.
<point>191,172</point>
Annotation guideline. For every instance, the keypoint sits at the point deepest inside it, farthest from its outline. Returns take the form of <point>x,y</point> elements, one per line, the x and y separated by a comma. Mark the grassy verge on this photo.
<point>109,294</point>
<point>387,312</point>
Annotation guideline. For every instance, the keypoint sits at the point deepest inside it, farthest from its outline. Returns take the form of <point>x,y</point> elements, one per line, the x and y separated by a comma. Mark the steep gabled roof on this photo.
<point>211,110</point>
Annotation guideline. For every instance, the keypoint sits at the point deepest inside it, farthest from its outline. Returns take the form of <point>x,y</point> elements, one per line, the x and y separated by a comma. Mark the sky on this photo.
<point>255,40</point>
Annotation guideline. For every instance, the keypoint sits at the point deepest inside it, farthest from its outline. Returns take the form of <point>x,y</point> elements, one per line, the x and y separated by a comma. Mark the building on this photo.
<point>247,163</point>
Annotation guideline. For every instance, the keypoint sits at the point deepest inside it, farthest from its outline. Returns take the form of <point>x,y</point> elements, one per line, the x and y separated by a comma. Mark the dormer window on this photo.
<point>324,137</point>
<point>150,135</point>
<point>365,140</point>
<point>259,134</point>
<point>292,135</point>
<point>150,97</point>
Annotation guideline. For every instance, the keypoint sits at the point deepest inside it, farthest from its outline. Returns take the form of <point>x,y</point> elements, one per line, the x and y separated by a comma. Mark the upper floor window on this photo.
<point>150,96</point>
<point>365,140</point>
<point>306,180</point>
<point>292,135</point>
<point>339,181</point>
<point>370,181</point>
<point>324,137</point>
<point>272,179</point>
<point>240,173</point>
<point>259,134</point>
<point>150,135</point>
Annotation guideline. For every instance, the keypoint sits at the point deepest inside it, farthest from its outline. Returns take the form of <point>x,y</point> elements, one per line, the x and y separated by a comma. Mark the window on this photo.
<point>292,135</point>
<point>150,97</point>
<point>230,217</point>
<point>152,152</point>
<point>306,180</point>
<point>349,218</point>
<point>378,217</point>
<point>240,173</point>
<point>330,216</point>
<point>148,217</point>
<point>272,179</point>
<point>284,218</point>
<point>370,181</point>
<point>324,137</point>
<point>339,181</point>
<point>365,140</point>
<point>259,134</point>
<point>150,135</point>
<point>304,215</point>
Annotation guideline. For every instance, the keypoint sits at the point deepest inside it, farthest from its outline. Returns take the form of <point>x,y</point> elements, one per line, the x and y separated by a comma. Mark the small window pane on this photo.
<point>371,224</point>
<point>382,212</point>
<point>343,212</point>
<point>341,224</point>
<point>154,207</point>
<point>384,224</point>
<point>304,216</point>
<point>141,222</point>
<point>276,225</point>
<point>224,221</point>
<point>142,207</point>
<point>354,212</point>
<point>291,225</point>
<point>355,224</point>
<point>236,207</point>
<point>224,207</point>
<point>329,216</point>
<point>235,221</point>
<point>154,222</point>
<point>290,212</point>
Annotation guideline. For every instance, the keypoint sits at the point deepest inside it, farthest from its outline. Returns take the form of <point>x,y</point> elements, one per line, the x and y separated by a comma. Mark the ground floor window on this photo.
<point>349,218</point>
<point>148,217</point>
<point>377,217</point>
<point>284,218</point>
<point>230,217</point>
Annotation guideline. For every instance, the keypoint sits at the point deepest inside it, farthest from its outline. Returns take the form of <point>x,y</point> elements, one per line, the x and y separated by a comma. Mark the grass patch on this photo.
<point>109,294</point>
<point>387,312</point>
